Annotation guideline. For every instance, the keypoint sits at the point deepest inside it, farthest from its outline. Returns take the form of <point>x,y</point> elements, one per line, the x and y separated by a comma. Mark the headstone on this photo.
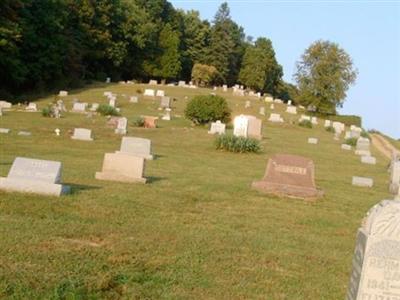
<point>368,160</point>
<point>355,132</point>
<point>165,102</point>
<point>269,99</point>
<point>57,131</point>
<point>94,107</point>
<point>272,106</point>
<point>338,126</point>
<point>79,107</point>
<point>225,88</point>
<point>112,102</point>
<point>150,122</point>
<point>181,83</point>
<point>24,133</point>
<point>289,175</point>
<point>328,123</point>
<point>160,93</point>
<point>31,107</point>
<point>276,118</point>
<point>133,99</point>
<point>108,80</point>
<point>5,130</point>
<point>137,147</point>
<point>217,128</point>
<point>153,82</point>
<point>279,101</point>
<point>362,147</point>
<point>291,110</point>
<point>314,120</point>
<point>346,147</point>
<point>149,93</point>
<point>122,167</point>
<point>240,126</point>
<point>1,111</point>
<point>362,181</point>
<point>108,94</point>
<point>247,105</point>
<point>347,135</point>
<point>313,141</point>
<point>82,134</point>
<point>121,126</point>
<point>34,176</point>
<point>289,102</point>
<point>60,106</point>
<point>394,186</point>
<point>167,115</point>
<point>63,94</point>
<point>5,104</point>
<point>262,111</point>
<point>304,118</point>
<point>376,260</point>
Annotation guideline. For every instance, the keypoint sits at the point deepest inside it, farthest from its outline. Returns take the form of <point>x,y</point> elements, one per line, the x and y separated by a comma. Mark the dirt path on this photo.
<point>383,145</point>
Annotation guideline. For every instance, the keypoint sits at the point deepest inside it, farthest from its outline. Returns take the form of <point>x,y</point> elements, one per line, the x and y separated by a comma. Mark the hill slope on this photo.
<point>196,230</point>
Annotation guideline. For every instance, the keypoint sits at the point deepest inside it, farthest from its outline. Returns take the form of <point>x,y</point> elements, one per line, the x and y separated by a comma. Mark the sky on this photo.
<point>369,31</point>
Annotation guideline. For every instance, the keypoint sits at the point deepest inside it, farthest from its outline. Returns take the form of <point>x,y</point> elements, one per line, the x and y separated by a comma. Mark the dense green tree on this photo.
<point>324,74</point>
<point>226,45</point>
<point>260,70</point>
<point>204,75</point>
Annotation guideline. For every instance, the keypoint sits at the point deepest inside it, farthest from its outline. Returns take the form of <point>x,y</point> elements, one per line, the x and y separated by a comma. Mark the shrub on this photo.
<point>347,120</point>
<point>330,129</point>
<point>139,91</point>
<point>351,141</point>
<point>138,122</point>
<point>305,123</point>
<point>237,144</point>
<point>364,134</point>
<point>46,112</point>
<point>107,110</point>
<point>207,108</point>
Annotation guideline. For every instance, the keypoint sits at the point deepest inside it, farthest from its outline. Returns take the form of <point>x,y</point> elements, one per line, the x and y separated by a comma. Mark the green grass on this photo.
<point>196,230</point>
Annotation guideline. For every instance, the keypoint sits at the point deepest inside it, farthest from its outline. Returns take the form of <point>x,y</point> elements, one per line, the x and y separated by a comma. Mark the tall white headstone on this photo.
<point>240,126</point>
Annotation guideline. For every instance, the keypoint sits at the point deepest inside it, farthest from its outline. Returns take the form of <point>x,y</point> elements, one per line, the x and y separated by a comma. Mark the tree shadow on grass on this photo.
<point>153,179</point>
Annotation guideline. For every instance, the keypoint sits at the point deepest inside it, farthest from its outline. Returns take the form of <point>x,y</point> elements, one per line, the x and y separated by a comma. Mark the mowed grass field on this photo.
<point>196,230</point>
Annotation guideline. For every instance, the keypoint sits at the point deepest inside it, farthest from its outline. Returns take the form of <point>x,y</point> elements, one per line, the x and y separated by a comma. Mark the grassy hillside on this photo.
<point>196,230</point>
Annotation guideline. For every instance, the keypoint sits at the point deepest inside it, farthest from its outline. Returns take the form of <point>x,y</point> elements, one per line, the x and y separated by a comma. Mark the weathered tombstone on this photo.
<point>262,111</point>
<point>289,102</point>
<point>289,175</point>
<point>368,160</point>
<point>34,176</point>
<point>121,126</point>
<point>269,99</point>
<point>395,178</point>
<point>328,123</point>
<point>291,110</point>
<point>247,104</point>
<point>122,167</point>
<point>355,132</point>
<point>362,147</point>
<point>254,128</point>
<point>279,101</point>
<point>57,131</point>
<point>31,107</point>
<point>272,106</point>
<point>24,133</point>
<point>165,102</point>
<point>150,122</point>
<point>167,115</point>
<point>362,181</point>
<point>240,126</point>
<point>313,141</point>
<point>149,93</point>
<point>112,102</point>
<point>153,82</point>
<point>60,105</point>
<point>5,104</point>
<point>314,120</point>
<point>108,80</point>
<point>5,130</point>
<point>136,146</point>
<point>275,118</point>
<point>79,107</point>
<point>376,260</point>
<point>63,94</point>
<point>94,107</point>
<point>338,126</point>
<point>82,134</point>
<point>304,118</point>
<point>346,147</point>
<point>133,99</point>
<point>217,127</point>
<point>347,135</point>
<point>181,83</point>
<point>160,93</point>
<point>225,88</point>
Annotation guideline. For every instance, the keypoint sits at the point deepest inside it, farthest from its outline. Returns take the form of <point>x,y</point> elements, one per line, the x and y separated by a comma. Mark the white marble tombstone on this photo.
<point>165,102</point>
<point>133,99</point>
<point>122,124</point>
<point>247,104</point>
<point>362,147</point>
<point>112,102</point>
<point>313,141</point>
<point>79,107</point>
<point>94,107</point>
<point>63,94</point>
<point>82,134</point>
<point>160,93</point>
<point>328,123</point>
<point>362,181</point>
<point>262,111</point>
<point>365,159</point>
<point>217,128</point>
<point>31,107</point>
<point>5,130</point>
<point>376,260</point>
<point>240,126</point>
<point>268,99</point>
<point>225,88</point>
<point>291,110</point>
<point>346,147</point>
<point>34,176</point>
<point>136,146</point>
<point>153,82</point>
<point>167,115</point>
<point>314,120</point>
<point>149,93</point>
<point>275,118</point>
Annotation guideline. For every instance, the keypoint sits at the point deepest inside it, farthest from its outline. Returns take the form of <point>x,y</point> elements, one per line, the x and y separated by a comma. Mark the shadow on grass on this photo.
<point>153,179</point>
<point>77,188</point>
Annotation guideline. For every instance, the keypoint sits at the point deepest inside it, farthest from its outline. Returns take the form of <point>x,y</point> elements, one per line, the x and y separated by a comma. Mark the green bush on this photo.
<point>364,134</point>
<point>237,144</point>
<point>138,122</point>
<point>347,120</point>
<point>207,108</point>
<point>330,129</point>
<point>46,112</point>
<point>139,91</point>
<point>107,110</point>
<point>351,141</point>
<point>305,123</point>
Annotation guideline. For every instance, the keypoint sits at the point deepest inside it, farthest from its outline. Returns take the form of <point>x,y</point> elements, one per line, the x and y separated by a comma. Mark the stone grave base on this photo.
<point>148,157</point>
<point>284,190</point>
<point>110,176</point>
<point>33,186</point>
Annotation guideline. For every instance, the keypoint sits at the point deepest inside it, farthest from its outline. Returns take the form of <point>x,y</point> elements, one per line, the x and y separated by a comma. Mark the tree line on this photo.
<point>50,44</point>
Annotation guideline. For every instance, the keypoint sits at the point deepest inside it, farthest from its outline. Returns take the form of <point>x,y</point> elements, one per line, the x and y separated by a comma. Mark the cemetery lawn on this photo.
<point>196,230</point>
